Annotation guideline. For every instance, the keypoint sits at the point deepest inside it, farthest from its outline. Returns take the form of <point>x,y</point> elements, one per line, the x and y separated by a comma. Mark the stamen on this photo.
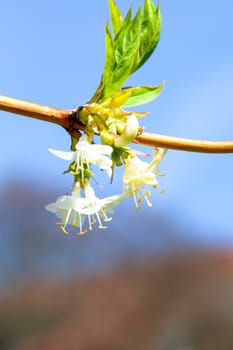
<point>90,223</point>
<point>81,224</point>
<point>135,199</point>
<point>102,227</point>
<point>104,216</point>
<point>107,219</point>
<point>82,232</point>
<point>59,222</point>
<point>93,220</point>
<point>99,220</point>
<point>64,230</point>
<point>67,217</point>
<point>82,163</point>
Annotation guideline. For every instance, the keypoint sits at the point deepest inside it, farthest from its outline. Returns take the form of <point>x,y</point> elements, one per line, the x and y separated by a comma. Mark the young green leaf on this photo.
<point>109,56</point>
<point>118,99</point>
<point>141,94</point>
<point>126,45</point>
<point>116,17</point>
<point>150,33</point>
<point>108,67</point>
<point>127,49</point>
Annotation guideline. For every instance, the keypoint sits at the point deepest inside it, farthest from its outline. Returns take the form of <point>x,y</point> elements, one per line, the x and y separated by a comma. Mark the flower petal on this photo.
<point>63,155</point>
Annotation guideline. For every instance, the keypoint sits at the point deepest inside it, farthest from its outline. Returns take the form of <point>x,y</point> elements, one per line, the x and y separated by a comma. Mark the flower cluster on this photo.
<point>81,207</point>
<point>128,44</point>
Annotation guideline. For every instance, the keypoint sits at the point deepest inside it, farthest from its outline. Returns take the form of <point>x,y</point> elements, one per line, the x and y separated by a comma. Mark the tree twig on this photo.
<point>185,144</point>
<point>65,119</point>
<point>34,110</point>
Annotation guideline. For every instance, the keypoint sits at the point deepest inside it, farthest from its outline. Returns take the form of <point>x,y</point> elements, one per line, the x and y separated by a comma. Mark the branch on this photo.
<point>64,119</point>
<point>184,144</point>
<point>34,110</point>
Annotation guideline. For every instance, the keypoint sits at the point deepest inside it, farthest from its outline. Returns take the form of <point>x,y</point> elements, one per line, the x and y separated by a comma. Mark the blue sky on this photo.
<point>52,52</point>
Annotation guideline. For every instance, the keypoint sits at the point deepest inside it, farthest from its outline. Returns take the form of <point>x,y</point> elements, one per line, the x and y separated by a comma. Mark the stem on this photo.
<point>64,119</point>
<point>184,144</point>
<point>34,110</point>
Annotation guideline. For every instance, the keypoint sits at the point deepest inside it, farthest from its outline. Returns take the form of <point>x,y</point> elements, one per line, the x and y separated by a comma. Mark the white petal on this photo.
<point>112,201</point>
<point>51,207</point>
<point>129,133</point>
<point>64,155</point>
<point>104,163</point>
<point>102,149</point>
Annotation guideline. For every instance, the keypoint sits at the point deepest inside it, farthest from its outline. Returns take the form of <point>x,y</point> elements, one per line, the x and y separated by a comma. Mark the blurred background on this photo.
<point>159,279</point>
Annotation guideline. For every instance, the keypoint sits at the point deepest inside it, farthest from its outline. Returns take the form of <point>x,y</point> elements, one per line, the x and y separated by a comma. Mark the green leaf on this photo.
<point>128,40</point>
<point>150,33</point>
<point>109,56</point>
<point>116,17</point>
<point>127,49</point>
<point>108,67</point>
<point>118,99</point>
<point>141,94</point>
<point>128,16</point>
<point>126,45</point>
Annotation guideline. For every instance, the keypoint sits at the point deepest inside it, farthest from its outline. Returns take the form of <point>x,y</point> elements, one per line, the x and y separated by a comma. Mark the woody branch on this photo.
<point>65,119</point>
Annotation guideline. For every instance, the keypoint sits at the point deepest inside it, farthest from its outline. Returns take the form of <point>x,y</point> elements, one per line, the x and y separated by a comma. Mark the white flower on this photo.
<point>96,209</point>
<point>129,133</point>
<point>87,153</point>
<point>138,175</point>
<point>74,209</point>
<point>65,208</point>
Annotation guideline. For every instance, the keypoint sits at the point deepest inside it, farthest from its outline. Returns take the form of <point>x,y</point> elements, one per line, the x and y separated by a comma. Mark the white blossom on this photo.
<point>74,209</point>
<point>138,175</point>
<point>87,153</point>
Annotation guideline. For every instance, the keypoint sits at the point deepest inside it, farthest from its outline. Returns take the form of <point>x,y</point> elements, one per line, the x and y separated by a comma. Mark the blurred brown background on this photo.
<point>153,288</point>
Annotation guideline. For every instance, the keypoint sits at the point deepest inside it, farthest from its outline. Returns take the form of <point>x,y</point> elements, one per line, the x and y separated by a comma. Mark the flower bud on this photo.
<point>129,133</point>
